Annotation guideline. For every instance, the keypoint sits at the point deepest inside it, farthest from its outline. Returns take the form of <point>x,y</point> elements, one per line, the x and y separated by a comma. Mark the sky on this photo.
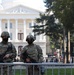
<point>36,4</point>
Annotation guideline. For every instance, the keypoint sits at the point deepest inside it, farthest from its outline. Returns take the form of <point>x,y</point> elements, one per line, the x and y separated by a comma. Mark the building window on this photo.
<point>34,24</point>
<point>30,33</point>
<point>30,25</point>
<point>10,36</point>
<point>35,36</point>
<point>11,25</point>
<point>5,25</point>
<point>19,50</point>
<point>20,36</point>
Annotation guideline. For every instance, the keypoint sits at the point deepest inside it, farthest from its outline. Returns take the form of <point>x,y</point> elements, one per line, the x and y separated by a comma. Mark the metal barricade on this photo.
<point>20,68</point>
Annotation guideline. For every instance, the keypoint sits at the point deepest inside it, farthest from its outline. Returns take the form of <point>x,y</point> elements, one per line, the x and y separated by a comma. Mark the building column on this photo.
<point>41,37</point>
<point>32,25</point>
<point>8,27</point>
<point>16,30</point>
<point>40,34</point>
<point>8,23</point>
<point>0,28</point>
<point>24,30</point>
<point>44,37</point>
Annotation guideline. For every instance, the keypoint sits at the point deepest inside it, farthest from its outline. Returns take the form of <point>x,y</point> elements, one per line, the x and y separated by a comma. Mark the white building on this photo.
<point>17,20</point>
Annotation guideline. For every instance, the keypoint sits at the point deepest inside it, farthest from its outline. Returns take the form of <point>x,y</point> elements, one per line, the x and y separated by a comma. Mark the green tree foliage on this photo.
<point>64,11</point>
<point>49,27</point>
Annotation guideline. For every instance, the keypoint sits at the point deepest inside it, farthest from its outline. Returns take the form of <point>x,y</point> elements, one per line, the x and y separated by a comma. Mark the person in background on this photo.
<point>7,53</point>
<point>32,53</point>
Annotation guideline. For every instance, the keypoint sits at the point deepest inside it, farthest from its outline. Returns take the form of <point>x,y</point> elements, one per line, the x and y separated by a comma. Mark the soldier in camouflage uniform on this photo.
<point>7,53</point>
<point>32,53</point>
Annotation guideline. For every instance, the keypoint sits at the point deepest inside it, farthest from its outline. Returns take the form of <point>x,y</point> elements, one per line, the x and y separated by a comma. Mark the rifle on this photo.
<point>25,56</point>
<point>2,57</point>
<point>3,54</point>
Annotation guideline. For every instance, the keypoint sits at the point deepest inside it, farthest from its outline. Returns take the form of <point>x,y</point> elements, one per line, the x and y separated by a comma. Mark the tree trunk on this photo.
<point>60,52</point>
<point>68,47</point>
<point>64,46</point>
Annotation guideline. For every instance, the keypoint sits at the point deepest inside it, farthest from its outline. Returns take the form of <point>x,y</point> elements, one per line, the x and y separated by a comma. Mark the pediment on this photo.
<point>21,9</point>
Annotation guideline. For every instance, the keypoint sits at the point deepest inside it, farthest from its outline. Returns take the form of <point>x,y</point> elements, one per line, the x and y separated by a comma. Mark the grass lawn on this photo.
<point>49,72</point>
<point>60,72</point>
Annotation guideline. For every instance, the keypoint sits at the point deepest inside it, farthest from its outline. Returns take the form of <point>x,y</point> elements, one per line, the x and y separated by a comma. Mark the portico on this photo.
<point>18,21</point>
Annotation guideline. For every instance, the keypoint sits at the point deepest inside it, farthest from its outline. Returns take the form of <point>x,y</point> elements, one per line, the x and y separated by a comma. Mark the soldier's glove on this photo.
<point>28,60</point>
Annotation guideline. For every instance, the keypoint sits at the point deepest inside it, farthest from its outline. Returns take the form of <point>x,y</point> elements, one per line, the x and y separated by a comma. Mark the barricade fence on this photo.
<point>43,68</point>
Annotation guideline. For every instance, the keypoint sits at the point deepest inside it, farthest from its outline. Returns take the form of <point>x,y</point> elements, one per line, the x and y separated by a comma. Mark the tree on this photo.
<point>49,27</point>
<point>63,10</point>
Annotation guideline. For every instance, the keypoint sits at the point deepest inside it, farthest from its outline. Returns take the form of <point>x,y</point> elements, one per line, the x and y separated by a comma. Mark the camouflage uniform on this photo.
<point>6,48</point>
<point>32,52</point>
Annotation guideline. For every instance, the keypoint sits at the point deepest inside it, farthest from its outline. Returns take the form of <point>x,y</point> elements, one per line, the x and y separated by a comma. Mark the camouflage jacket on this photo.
<point>33,52</point>
<point>7,49</point>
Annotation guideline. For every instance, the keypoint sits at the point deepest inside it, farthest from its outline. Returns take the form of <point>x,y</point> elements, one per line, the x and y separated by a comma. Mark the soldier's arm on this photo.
<point>13,52</point>
<point>40,54</point>
<point>23,55</point>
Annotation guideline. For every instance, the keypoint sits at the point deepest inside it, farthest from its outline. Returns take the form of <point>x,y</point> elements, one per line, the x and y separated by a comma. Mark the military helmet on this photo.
<point>30,37</point>
<point>5,34</point>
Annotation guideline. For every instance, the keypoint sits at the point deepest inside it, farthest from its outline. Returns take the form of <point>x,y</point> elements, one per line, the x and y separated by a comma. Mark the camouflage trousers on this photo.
<point>5,70</point>
<point>33,70</point>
